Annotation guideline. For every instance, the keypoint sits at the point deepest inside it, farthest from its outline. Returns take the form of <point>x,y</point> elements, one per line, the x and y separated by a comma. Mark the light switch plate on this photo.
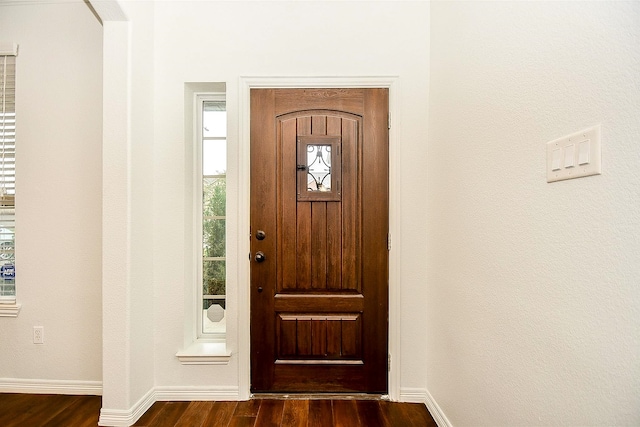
<point>572,161</point>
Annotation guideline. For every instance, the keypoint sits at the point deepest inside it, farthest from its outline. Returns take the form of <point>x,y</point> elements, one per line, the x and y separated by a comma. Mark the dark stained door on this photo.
<point>319,225</point>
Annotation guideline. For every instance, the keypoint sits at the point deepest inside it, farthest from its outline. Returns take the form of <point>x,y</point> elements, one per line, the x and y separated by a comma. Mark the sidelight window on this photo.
<point>207,219</point>
<point>212,127</point>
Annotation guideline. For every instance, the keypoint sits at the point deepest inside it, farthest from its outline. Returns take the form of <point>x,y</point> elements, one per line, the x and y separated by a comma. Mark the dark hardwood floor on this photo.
<point>21,410</point>
<point>35,410</point>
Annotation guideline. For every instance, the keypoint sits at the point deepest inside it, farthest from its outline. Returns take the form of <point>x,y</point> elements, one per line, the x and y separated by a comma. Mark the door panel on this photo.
<point>319,191</point>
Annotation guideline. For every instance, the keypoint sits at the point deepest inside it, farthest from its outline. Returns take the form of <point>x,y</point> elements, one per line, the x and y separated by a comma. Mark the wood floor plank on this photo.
<point>270,414</point>
<point>418,415</point>
<point>147,418</point>
<point>12,404</point>
<point>220,414</point>
<point>320,413</point>
<point>40,409</point>
<point>241,421</point>
<point>248,408</point>
<point>345,413</point>
<point>83,412</point>
<point>370,414</point>
<point>9,400</point>
<point>295,413</point>
<point>195,414</point>
<point>91,414</point>
<point>393,414</point>
<point>170,414</point>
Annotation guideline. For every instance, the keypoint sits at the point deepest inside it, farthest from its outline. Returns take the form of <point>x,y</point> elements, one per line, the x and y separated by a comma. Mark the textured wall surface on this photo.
<point>213,41</point>
<point>58,202</point>
<point>533,287</point>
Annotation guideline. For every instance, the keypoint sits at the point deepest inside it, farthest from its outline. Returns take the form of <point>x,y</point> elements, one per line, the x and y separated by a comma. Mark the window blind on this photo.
<point>7,128</point>
<point>7,175</point>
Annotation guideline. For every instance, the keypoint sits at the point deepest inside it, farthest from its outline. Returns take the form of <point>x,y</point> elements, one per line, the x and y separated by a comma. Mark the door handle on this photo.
<point>260,256</point>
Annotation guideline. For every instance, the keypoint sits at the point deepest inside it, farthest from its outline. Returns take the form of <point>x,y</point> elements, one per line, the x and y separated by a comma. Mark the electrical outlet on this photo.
<point>38,334</point>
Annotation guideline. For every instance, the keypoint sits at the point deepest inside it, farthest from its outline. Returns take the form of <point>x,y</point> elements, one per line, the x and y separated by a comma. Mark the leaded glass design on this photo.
<point>318,167</point>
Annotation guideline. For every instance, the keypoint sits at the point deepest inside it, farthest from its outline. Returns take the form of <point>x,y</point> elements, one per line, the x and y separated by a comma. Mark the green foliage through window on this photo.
<point>213,245</point>
<point>212,110</point>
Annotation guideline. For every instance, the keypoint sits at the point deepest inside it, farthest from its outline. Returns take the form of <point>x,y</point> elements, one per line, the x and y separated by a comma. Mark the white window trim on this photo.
<point>8,49</point>
<point>199,348</point>
<point>205,353</point>
<point>10,310</point>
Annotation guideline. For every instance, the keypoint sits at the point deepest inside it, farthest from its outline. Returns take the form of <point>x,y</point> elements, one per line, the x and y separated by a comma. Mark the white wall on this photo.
<point>128,293</point>
<point>210,41</point>
<point>142,205</point>
<point>58,210</point>
<point>533,287</point>
<point>530,319</point>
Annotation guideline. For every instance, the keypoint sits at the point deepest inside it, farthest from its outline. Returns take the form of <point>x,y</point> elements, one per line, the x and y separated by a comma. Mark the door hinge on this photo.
<point>388,241</point>
<point>389,121</point>
<point>389,362</point>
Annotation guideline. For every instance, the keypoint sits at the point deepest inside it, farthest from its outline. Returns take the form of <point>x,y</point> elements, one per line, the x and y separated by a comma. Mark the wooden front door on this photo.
<point>319,226</point>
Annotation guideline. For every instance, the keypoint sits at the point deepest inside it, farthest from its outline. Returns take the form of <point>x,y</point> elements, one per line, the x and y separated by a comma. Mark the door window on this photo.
<point>319,168</point>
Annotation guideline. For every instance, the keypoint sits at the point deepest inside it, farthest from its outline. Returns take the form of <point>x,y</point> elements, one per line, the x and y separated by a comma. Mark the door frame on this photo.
<point>247,83</point>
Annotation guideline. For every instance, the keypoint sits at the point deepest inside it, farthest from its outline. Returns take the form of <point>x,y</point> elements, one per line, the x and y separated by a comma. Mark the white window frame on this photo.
<point>200,348</point>
<point>8,305</point>
<point>200,99</point>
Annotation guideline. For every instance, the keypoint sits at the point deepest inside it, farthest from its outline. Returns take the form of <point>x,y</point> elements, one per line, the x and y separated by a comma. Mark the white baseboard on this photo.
<point>28,386</point>
<point>436,412</point>
<point>413,395</point>
<point>128,417</point>
<point>196,393</point>
<point>421,395</point>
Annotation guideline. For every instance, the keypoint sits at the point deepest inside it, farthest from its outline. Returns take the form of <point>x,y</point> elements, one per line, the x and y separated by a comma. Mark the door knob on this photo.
<point>260,256</point>
<point>260,235</point>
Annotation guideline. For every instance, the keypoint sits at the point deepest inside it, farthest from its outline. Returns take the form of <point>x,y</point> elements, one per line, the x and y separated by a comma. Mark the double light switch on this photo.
<point>574,156</point>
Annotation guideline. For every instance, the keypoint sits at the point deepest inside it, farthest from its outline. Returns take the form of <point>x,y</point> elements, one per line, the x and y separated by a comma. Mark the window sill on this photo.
<point>9,310</point>
<point>205,353</point>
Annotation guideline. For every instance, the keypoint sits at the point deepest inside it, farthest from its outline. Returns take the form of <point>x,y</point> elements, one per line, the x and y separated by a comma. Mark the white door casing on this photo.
<point>247,83</point>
